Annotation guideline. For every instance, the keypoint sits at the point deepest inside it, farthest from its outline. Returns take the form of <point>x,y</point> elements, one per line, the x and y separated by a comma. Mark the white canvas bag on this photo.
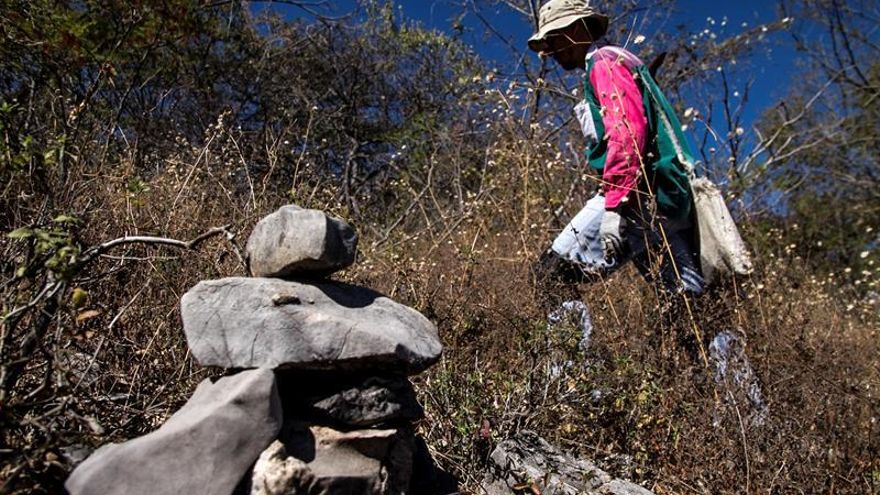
<point>722,250</point>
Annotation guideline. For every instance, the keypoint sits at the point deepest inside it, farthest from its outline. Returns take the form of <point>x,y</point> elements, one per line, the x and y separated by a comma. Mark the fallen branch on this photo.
<point>95,251</point>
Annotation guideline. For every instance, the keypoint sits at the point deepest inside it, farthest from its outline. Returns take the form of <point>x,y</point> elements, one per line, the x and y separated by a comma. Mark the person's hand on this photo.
<point>610,234</point>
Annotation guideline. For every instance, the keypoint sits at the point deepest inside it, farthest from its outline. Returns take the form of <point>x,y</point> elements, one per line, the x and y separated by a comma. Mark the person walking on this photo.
<point>635,143</point>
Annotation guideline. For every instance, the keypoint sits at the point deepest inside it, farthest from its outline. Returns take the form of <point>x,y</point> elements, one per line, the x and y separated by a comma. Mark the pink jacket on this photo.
<point>623,116</point>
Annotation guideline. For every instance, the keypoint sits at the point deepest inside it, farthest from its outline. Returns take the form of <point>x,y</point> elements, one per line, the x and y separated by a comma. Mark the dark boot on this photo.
<point>556,281</point>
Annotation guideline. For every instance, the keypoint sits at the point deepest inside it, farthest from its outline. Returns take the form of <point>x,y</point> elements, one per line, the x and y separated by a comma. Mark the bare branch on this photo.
<point>48,291</point>
<point>96,251</point>
<point>766,144</point>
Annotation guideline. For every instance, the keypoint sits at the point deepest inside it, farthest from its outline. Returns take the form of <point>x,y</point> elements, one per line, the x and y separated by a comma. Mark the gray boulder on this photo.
<point>249,322</point>
<point>527,460</point>
<point>349,401</point>
<point>315,460</point>
<point>295,241</point>
<point>375,401</point>
<point>621,487</point>
<point>204,448</point>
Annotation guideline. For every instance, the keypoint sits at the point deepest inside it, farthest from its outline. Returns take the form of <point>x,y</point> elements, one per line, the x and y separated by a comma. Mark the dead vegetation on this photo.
<point>455,194</point>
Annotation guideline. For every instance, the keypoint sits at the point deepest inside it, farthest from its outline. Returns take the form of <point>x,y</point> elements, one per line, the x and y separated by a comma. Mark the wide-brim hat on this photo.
<point>559,14</point>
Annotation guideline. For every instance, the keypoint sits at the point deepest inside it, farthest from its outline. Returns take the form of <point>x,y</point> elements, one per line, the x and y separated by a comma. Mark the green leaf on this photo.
<point>66,219</point>
<point>79,297</point>
<point>6,107</point>
<point>49,157</point>
<point>47,236</point>
<point>20,233</point>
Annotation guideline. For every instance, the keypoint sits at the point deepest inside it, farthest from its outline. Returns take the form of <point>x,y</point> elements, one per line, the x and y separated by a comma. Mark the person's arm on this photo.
<point>623,115</point>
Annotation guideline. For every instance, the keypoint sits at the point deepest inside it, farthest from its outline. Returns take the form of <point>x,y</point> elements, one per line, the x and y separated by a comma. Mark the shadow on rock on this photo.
<point>348,295</point>
<point>428,477</point>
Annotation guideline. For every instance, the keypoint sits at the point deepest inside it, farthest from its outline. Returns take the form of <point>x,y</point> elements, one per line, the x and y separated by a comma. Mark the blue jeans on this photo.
<point>664,249</point>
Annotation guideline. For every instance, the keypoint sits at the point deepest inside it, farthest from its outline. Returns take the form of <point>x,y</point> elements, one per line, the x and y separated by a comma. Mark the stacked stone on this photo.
<point>317,398</point>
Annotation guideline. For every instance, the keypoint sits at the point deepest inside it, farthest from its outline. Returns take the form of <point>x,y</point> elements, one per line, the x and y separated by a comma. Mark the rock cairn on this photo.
<point>316,399</point>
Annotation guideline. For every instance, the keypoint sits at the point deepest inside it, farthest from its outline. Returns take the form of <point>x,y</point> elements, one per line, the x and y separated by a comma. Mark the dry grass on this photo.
<point>637,391</point>
<point>462,254</point>
<point>812,342</point>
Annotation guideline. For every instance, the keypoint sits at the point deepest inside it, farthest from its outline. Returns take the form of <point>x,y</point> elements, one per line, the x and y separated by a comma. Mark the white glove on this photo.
<point>610,234</point>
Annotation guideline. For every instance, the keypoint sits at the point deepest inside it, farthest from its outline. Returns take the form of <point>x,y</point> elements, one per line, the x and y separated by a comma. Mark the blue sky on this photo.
<point>770,73</point>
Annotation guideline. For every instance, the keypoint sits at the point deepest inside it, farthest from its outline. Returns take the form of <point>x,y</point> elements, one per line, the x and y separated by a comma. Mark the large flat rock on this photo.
<point>204,448</point>
<point>252,322</point>
<point>295,241</point>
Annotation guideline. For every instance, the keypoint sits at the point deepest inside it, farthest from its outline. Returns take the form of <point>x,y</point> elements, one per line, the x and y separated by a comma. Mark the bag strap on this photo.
<point>664,120</point>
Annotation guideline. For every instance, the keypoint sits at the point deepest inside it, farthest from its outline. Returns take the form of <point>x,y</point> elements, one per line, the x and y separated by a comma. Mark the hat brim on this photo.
<point>538,41</point>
